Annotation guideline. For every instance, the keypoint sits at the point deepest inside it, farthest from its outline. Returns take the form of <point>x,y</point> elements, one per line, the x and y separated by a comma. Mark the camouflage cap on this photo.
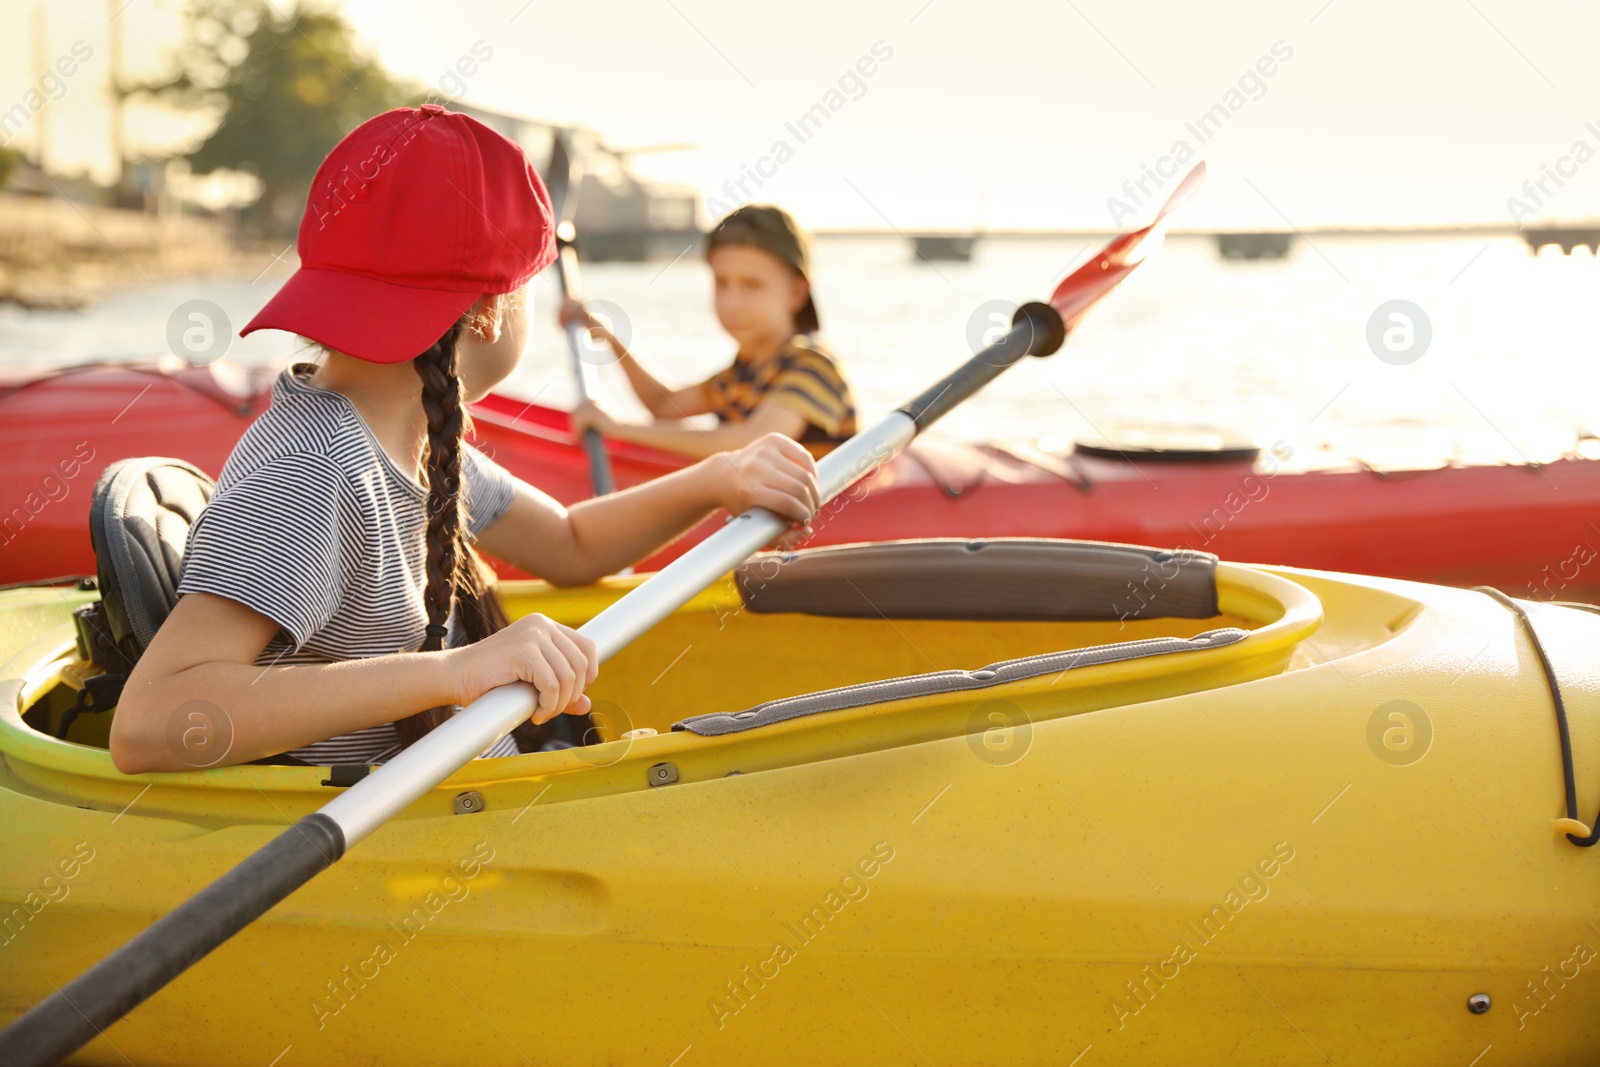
<point>773,230</point>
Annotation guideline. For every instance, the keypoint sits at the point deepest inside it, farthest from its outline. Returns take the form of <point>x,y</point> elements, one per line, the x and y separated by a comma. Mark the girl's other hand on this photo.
<point>591,416</point>
<point>572,310</point>
<point>773,472</point>
<point>599,337</point>
<point>557,660</point>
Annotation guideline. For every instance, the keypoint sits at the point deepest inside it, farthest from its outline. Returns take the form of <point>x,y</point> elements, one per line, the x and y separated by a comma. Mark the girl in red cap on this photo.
<point>332,605</point>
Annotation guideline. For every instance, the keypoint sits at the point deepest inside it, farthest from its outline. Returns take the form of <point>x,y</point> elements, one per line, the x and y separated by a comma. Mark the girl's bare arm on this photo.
<point>577,545</point>
<point>660,399</point>
<point>197,698</point>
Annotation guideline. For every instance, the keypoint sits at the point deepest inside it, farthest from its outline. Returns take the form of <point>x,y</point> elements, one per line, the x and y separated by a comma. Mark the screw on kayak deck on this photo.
<point>663,774</point>
<point>1478,1003</point>
<point>467,803</point>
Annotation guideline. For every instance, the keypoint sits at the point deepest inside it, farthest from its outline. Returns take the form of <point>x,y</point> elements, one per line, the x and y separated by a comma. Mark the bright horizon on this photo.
<point>1310,115</point>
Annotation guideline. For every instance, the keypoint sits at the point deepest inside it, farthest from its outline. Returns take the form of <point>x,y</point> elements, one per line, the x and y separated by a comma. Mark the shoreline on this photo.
<point>60,255</point>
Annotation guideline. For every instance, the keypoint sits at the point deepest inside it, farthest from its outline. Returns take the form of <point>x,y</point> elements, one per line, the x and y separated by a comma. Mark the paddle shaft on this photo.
<point>74,1014</point>
<point>582,372</point>
<point>564,175</point>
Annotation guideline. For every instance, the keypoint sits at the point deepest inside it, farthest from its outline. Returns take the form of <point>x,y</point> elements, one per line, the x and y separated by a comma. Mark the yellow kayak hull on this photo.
<point>1235,855</point>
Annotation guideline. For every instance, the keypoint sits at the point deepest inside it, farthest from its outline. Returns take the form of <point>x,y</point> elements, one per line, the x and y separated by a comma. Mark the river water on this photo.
<point>1272,350</point>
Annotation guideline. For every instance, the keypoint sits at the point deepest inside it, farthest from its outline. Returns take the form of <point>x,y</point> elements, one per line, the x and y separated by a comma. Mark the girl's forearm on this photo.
<point>612,532</point>
<point>688,440</point>
<point>224,713</point>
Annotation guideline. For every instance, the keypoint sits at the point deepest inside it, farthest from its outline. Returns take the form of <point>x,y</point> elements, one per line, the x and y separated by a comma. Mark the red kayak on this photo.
<point>1528,529</point>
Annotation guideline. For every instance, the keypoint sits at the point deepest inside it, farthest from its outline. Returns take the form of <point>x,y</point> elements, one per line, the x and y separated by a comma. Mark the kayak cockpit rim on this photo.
<point>1277,612</point>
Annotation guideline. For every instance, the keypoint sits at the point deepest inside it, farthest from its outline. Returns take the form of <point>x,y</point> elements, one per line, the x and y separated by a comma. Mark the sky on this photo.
<point>950,114</point>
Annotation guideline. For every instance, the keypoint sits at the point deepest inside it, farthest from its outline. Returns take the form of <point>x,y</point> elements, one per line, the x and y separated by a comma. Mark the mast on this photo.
<point>114,9</point>
<point>41,64</point>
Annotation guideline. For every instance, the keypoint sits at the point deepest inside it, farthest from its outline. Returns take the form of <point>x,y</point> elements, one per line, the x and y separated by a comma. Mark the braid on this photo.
<point>441,400</point>
<point>456,574</point>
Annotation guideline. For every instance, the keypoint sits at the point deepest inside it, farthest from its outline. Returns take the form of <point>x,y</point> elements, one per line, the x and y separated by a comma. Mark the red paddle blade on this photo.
<point>1083,288</point>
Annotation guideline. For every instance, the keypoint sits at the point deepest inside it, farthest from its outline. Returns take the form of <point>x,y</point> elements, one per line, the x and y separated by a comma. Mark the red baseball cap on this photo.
<point>412,217</point>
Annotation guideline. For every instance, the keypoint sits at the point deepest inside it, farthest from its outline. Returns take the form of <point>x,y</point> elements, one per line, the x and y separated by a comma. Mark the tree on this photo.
<point>285,88</point>
<point>9,158</point>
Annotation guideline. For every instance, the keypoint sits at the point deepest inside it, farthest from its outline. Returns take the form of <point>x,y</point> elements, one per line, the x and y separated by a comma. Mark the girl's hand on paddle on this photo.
<point>589,415</point>
<point>557,660</point>
<point>773,472</point>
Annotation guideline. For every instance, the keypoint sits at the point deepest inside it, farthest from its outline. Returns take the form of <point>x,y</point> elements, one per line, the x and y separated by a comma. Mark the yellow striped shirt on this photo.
<point>804,377</point>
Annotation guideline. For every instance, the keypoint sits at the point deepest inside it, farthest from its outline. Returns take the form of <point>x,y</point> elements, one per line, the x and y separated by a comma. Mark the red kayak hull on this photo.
<point>1529,530</point>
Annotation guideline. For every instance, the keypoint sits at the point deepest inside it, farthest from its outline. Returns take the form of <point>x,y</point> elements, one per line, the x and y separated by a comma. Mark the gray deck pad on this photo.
<point>997,579</point>
<point>934,683</point>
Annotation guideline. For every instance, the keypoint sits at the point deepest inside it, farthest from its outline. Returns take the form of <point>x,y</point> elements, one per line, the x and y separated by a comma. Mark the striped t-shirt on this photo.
<point>314,526</point>
<point>804,377</point>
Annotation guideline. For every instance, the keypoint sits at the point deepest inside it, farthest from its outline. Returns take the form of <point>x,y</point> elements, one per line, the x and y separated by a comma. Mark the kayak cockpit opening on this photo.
<point>860,646</point>
<point>926,628</point>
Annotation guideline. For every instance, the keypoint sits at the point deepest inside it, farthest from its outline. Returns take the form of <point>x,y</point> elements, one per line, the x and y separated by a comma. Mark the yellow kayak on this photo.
<point>926,803</point>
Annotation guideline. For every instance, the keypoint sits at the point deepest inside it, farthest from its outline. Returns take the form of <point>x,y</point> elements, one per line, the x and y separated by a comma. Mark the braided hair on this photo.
<point>457,575</point>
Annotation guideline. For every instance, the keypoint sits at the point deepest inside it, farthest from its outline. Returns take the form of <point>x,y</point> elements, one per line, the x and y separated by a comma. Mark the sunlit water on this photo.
<point>1273,350</point>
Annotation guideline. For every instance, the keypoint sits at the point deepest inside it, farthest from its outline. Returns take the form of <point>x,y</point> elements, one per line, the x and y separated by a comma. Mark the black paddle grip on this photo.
<point>1036,330</point>
<point>57,1026</point>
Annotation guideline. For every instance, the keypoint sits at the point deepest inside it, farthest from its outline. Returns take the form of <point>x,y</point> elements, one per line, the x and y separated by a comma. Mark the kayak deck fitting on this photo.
<point>1198,854</point>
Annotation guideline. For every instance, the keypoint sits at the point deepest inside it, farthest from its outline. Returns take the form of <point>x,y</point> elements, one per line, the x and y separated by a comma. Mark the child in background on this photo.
<point>782,379</point>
